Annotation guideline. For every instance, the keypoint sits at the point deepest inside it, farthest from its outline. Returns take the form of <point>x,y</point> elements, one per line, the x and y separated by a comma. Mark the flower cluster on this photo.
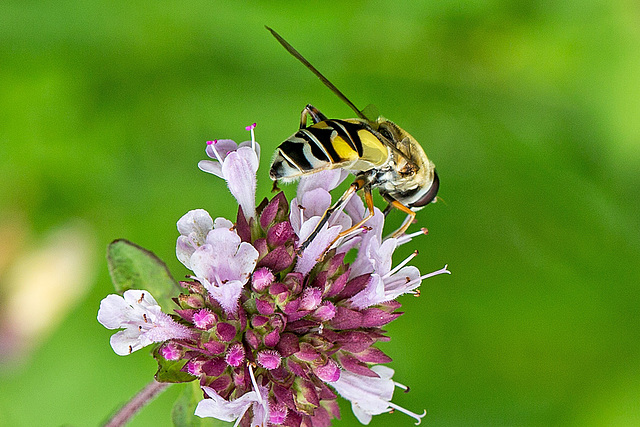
<point>271,332</point>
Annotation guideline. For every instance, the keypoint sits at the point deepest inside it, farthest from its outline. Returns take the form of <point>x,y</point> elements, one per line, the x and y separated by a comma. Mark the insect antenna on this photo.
<point>315,71</point>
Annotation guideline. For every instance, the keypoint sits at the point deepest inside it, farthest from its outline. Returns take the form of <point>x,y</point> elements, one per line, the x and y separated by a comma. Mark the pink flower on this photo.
<point>223,265</point>
<point>237,164</point>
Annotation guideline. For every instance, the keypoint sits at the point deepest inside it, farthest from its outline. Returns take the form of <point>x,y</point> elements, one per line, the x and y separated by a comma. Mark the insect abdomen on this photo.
<point>326,145</point>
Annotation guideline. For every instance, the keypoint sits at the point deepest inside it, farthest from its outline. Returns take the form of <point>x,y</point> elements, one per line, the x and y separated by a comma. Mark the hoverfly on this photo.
<point>377,151</point>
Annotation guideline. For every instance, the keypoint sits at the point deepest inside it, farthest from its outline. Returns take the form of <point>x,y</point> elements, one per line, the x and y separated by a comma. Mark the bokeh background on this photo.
<point>530,110</point>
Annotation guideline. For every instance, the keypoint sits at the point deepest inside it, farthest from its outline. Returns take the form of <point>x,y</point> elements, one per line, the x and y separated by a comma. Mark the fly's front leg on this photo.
<point>407,222</point>
<point>316,116</point>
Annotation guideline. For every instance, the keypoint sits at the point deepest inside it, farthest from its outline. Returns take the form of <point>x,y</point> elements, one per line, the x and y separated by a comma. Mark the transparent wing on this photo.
<point>371,113</point>
<point>318,74</point>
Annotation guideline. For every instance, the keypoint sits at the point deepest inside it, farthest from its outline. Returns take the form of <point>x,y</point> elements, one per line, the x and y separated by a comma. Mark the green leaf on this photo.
<point>169,371</point>
<point>133,267</point>
<point>182,412</point>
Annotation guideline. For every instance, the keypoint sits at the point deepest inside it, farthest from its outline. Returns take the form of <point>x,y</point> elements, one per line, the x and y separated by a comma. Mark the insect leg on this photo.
<point>408,221</point>
<point>360,182</point>
<point>316,116</point>
<point>368,198</point>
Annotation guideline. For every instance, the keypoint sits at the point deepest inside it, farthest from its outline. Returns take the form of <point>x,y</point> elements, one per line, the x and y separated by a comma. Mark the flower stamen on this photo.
<point>255,385</point>
<point>253,137</point>
<point>402,264</point>
<point>426,276</point>
<point>408,412</point>
<point>405,238</point>
<point>213,148</point>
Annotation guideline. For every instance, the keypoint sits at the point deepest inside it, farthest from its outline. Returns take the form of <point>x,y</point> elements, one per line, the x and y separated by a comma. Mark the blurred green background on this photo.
<point>530,111</point>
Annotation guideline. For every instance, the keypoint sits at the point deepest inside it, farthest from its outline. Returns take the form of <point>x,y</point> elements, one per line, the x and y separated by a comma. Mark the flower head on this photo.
<point>271,329</point>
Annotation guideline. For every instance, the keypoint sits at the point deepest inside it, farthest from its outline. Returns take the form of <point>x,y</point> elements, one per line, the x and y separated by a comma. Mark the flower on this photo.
<point>142,319</point>
<point>237,164</point>
<point>233,410</point>
<point>223,264</point>
<point>274,331</point>
<point>371,396</point>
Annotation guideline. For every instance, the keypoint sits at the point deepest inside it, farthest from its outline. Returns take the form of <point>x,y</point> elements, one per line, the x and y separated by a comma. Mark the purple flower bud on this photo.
<point>278,259</point>
<point>264,307</point>
<point>311,298</point>
<point>204,319</point>
<point>346,319</point>
<point>372,355</point>
<point>215,347</point>
<point>225,332</point>
<point>352,364</point>
<point>329,372</point>
<point>268,214</point>
<point>259,321</point>
<point>272,338</point>
<point>170,351</point>
<point>277,413</point>
<point>355,341</point>
<point>262,278</point>
<point>294,282</point>
<point>277,288</point>
<point>269,359</point>
<point>235,355</point>
<point>307,353</point>
<point>325,312</point>
<point>214,367</point>
<point>288,344</point>
<point>252,339</point>
<point>194,367</point>
<point>292,307</point>
<point>279,234</point>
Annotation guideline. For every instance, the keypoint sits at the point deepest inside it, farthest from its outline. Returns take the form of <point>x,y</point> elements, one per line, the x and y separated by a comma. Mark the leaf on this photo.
<point>133,267</point>
<point>183,410</point>
<point>170,371</point>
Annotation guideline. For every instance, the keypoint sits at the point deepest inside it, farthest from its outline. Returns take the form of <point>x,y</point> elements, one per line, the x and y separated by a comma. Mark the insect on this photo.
<point>378,152</point>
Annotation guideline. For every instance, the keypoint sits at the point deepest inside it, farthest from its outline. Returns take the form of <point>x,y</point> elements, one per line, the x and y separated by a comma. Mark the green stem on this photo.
<point>138,401</point>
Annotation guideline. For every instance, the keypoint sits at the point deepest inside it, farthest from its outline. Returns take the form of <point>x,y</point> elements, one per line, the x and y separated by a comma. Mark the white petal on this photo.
<point>125,342</point>
<point>113,311</point>
<point>211,167</point>
<point>223,147</point>
<point>372,294</point>
<point>221,222</point>
<point>196,221</point>
<point>362,416</point>
<point>141,298</point>
<point>318,245</point>
<point>327,179</point>
<point>184,250</point>
<point>218,407</point>
<point>227,294</point>
<point>403,281</point>
<point>239,170</point>
<point>315,202</point>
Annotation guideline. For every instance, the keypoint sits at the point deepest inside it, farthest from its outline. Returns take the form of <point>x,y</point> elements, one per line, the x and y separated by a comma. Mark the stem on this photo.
<point>136,403</point>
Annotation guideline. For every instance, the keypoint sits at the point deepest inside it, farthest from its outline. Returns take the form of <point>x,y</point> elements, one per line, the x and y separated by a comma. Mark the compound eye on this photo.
<point>385,132</point>
<point>431,194</point>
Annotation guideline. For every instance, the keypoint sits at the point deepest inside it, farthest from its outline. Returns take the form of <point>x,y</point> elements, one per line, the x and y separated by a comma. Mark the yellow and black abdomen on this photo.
<point>329,144</point>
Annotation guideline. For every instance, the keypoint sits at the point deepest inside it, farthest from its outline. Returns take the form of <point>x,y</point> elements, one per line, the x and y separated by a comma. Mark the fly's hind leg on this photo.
<point>361,181</point>
<point>316,116</point>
